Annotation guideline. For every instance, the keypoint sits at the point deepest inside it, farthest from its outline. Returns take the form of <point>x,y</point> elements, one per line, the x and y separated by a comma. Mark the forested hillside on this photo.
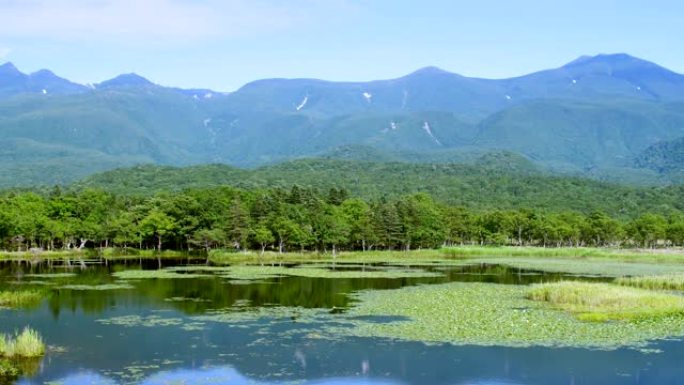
<point>665,158</point>
<point>493,181</point>
<point>591,117</point>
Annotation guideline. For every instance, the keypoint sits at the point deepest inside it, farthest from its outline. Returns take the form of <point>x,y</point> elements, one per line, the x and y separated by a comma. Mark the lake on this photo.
<point>161,331</point>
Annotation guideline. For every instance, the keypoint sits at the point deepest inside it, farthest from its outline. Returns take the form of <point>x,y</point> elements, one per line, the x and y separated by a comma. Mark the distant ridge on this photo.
<point>592,116</point>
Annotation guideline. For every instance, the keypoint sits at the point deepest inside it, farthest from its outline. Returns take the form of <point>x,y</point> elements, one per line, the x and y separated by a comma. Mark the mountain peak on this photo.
<point>126,80</point>
<point>44,75</point>
<point>615,61</point>
<point>623,66</point>
<point>43,72</point>
<point>9,69</point>
<point>430,70</point>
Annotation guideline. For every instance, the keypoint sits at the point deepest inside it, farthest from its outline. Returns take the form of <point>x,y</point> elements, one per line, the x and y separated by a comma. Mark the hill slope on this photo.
<point>592,117</point>
<point>493,181</point>
<point>666,158</point>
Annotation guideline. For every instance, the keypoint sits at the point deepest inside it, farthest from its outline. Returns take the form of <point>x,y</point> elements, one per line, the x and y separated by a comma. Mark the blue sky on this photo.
<point>222,44</point>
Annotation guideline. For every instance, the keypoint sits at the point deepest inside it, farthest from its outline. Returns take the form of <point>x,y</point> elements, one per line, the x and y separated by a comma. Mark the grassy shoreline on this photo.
<point>221,256</point>
<point>626,255</point>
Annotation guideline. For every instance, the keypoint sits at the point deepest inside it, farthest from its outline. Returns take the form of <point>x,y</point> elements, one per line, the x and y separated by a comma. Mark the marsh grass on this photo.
<point>627,255</point>
<point>116,254</point>
<point>26,344</point>
<point>606,302</point>
<point>43,254</point>
<point>582,266</point>
<point>222,257</point>
<point>654,282</point>
<point>21,298</point>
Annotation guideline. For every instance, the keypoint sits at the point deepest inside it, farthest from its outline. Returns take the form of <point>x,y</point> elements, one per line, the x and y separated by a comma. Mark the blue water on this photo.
<point>86,350</point>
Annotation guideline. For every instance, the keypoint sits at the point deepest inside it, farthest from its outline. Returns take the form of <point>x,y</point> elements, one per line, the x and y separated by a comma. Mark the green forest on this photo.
<point>495,180</point>
<point>299,219</point>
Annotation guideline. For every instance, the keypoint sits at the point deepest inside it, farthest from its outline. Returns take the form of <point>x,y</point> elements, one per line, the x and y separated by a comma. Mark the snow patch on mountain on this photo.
<point>302,103</point>
<point>426,127</point>
<point>368,96</point>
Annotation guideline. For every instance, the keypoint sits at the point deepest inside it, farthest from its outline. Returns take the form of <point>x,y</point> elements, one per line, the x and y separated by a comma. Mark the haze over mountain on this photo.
<point>593,116</point>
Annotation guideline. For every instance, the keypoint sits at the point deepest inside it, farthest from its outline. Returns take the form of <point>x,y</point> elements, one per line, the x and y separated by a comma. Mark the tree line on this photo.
<point>303,219</point>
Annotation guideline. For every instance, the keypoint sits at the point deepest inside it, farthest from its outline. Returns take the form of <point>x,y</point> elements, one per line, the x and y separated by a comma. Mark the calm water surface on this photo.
<point>86,350</point>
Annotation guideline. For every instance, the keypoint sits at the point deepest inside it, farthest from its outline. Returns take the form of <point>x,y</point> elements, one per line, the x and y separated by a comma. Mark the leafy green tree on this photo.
<point>459,224</point>
<point>263,236</point>
<point>675,230</point>
<point>333,229</point>
<point>208,238</point>
<point>28,213</point>
<point>157,224</point>
<point>648,229</point>
<point>602,229</point>
<point>124,229</point>
<point>359,216</point>
<point>286,230</point>
<point>387,224</point>
<point>238,224</point>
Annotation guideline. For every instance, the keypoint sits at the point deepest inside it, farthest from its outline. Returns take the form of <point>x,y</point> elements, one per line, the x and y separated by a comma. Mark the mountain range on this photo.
<point>613,117</point>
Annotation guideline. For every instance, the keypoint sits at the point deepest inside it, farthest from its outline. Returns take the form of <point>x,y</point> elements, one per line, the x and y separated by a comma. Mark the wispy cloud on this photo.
<point>156,19</point>
<point>4,52</point>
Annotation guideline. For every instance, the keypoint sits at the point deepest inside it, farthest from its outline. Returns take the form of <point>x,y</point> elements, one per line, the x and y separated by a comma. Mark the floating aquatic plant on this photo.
<point>101,287</point>
<point>491,314</point>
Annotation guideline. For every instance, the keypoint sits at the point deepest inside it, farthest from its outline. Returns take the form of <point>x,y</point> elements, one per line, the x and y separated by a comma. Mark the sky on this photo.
<point>223,44</point>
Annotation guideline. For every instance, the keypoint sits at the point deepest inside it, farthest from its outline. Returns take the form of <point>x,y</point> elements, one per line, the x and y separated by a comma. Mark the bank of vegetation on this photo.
<point>304,220</point>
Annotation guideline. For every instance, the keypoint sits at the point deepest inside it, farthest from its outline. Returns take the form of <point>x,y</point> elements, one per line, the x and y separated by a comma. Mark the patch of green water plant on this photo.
<point>32,283</point>
<point>262,272</point>
<point>151,321</point>
<point>198,268</point>
<point>492,314</point>
<point>52,275</point>
<point>241,314</point>
<point>101,287</point>
<point>156,274</point>
<point>186,299</point>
